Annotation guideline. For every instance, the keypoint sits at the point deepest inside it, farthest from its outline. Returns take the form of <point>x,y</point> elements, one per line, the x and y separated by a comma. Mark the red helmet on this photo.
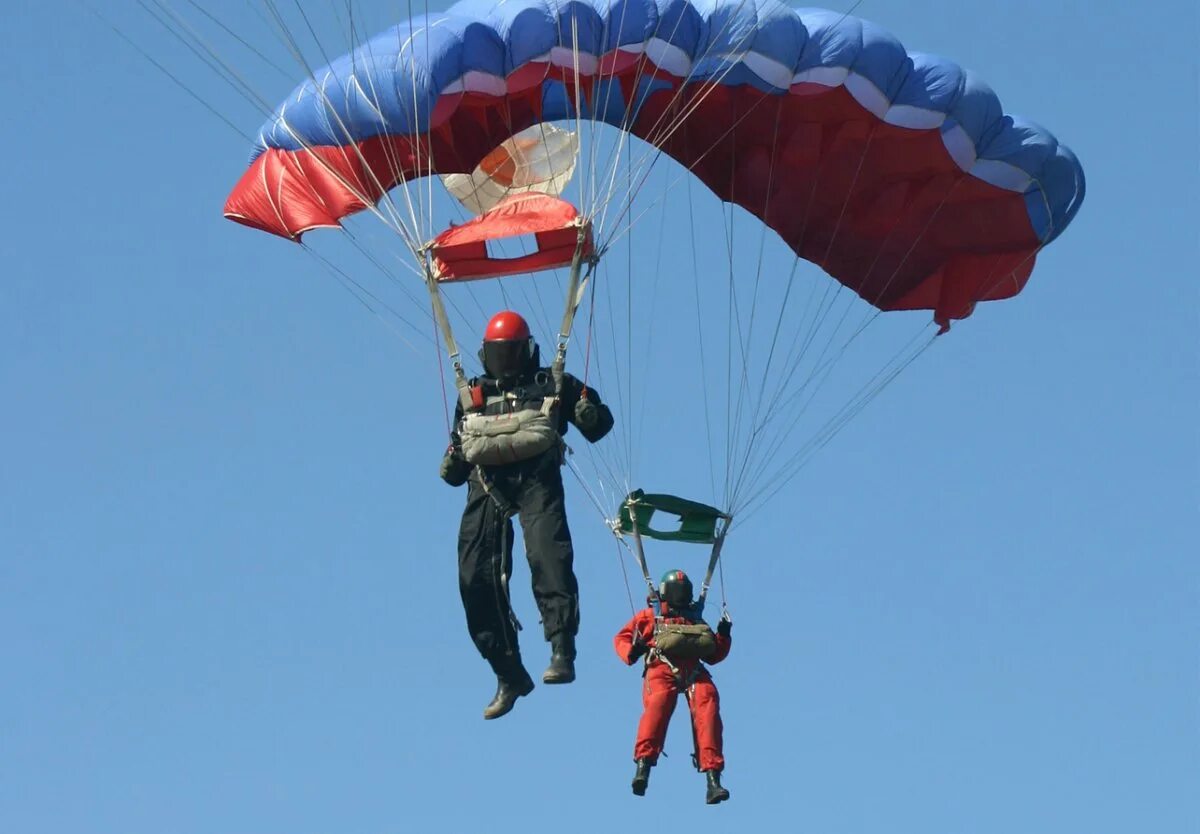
<point>506,326</point>
<point>508,348</point>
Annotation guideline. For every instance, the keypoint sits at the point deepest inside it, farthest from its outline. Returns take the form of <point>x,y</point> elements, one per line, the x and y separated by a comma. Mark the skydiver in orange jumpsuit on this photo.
<point>667,675</point>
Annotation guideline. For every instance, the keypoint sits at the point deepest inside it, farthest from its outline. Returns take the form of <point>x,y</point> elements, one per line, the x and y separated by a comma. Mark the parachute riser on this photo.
<point>639,551</point>
<point>715,557</point>
<point>443,322</point>
<point>575,289</point>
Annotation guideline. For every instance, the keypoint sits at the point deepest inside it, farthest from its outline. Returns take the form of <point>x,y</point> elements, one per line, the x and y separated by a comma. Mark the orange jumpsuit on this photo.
<point>662,686</point>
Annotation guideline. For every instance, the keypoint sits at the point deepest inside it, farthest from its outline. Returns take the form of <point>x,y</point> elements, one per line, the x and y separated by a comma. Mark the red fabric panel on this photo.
<point>287,193</point>
<point>953,290</point>
<point>460,252</point>
<point>517,214</point>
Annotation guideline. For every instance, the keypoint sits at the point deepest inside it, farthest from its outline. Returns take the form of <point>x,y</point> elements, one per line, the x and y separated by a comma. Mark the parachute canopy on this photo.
<point>896,172</point>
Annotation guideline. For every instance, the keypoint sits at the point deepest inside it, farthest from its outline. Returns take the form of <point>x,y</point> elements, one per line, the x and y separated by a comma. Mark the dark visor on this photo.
<point>503,359</point>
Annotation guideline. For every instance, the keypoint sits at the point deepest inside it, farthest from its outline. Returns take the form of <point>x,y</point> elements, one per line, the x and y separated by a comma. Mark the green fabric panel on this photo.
<point>697,522</point>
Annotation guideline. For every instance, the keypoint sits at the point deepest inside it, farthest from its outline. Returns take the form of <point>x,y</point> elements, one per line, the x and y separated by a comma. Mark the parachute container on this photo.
<point>538,159</point>
<point>471,252</point>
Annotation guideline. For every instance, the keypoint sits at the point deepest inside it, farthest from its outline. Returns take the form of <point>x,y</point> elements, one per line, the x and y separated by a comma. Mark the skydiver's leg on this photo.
<point>484,563</point>
<point>705,705</point>
<point>659,694</point>
<point>548,548</point>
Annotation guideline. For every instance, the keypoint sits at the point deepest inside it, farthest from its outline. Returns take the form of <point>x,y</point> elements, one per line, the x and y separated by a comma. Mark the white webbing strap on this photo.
<point>640,552</point>
<point>718,542</point>
<point>575,289</point>
<point>443,322</point>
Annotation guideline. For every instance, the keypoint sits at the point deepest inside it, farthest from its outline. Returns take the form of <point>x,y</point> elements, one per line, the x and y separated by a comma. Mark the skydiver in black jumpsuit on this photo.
<point>530,488</point>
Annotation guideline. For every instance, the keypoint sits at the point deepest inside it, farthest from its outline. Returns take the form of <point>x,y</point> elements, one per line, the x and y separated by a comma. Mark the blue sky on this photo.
<point>227,567</point>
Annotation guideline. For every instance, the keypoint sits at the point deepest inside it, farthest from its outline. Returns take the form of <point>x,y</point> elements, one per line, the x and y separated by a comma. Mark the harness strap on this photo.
<point>685,683</point>
<point>506,508</point>
<point>512,615</point>
<point>503,597</point>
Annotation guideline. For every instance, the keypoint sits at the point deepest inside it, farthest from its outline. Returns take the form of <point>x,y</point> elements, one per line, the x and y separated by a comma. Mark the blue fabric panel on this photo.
<point>680,24</point>
<point>882,60</point>
<point>933,83</point>
<point>1063,181</point>
<point>781,35</point>
<point>629,22</point>
<point>834,40</point>
<point>977,109</point>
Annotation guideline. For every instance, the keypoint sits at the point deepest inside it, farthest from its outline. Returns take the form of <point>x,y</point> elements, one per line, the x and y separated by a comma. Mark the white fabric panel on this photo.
<point>867,94</point>
<point>564,56</point>
<point>1001,175</point>
<point>769,70</point>
<point>668,57</point>
<point>825,76</point>
<point>960,147</point>
<point>917,118</point>
<point>543,159</point>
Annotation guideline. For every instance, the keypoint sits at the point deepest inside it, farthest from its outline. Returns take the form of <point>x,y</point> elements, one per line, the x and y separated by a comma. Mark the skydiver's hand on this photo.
<point>637,648</point>
<point>454,469</point>
<point>587,415</point>
<point>724,626</point>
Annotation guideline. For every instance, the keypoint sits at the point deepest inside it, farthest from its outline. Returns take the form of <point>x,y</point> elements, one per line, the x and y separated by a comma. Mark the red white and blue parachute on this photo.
<point>897,172</point>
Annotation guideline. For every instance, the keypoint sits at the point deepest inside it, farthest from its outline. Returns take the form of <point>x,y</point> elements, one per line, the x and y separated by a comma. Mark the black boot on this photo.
<point>715,792</point>
<point>562,660</point>
<point>512,681</point>
<point>642,778</point>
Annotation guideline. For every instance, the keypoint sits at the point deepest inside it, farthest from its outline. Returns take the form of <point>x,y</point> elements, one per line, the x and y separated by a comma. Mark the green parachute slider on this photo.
<point>697,522</point>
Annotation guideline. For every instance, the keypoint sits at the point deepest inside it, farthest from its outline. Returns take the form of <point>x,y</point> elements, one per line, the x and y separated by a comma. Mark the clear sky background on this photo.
<point>227,576</point>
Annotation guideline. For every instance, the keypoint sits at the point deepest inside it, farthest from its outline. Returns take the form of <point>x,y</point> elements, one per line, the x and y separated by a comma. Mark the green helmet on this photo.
<point>675,589</point>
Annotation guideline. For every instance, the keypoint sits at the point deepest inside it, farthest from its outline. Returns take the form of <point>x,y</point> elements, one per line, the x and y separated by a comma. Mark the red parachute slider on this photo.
<point>470,252</point>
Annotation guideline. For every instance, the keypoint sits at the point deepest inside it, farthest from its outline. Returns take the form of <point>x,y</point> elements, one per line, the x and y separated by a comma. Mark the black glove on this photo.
<point>454,469</point>
<point>587,415</point>
<point>637,648</point>
<point>724,626</point>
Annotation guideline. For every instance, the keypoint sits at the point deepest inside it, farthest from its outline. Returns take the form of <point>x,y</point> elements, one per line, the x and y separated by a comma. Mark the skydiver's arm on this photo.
<point>631,633</point>
<point>724,641</point>
<point>454,470</point>
<point>455,440</point>
<point>599,420</point>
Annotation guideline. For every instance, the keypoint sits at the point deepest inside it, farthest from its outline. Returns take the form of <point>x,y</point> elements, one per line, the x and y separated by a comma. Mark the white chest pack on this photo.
<point>520,427</point>
<point>498,439</point>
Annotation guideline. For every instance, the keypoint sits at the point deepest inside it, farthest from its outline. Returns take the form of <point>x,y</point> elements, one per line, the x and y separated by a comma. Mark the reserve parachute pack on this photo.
<point>526,429</point>
<point>499,439</point>
<point>684,642</point>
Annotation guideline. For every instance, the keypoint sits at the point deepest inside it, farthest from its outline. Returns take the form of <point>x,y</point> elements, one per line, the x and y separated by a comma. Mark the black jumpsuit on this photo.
<point>533,490</point>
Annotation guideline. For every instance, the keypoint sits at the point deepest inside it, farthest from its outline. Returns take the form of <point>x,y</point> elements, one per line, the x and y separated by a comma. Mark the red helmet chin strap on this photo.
<point>506,326</point>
